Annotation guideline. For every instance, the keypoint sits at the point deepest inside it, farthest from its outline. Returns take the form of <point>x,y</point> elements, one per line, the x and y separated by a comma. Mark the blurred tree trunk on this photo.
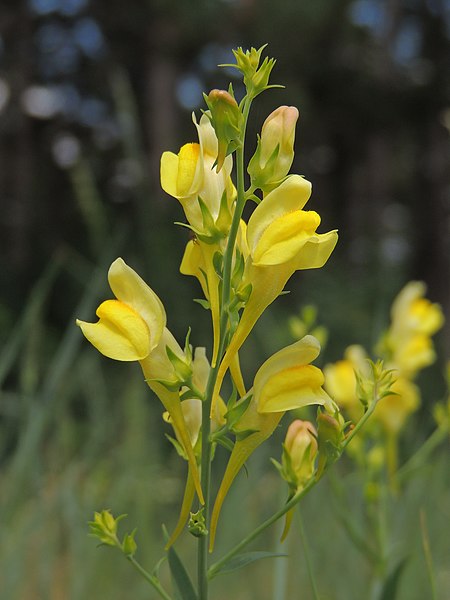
<point>17,144</point>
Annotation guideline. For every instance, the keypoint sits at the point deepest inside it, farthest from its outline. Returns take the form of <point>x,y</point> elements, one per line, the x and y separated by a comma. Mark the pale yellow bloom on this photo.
<point>281,239</point>
<point>413,353</point>
<point>340,380</point>
<point>133,328</point>
<point>393,411</point>
<point>287,380</point>
<point>301,445</point>
<point>414,320</point>
<point>189,175</point>
<point>275,151</point>
<point>284,382</point>
<point>198,262</point>
<point>413,313</point>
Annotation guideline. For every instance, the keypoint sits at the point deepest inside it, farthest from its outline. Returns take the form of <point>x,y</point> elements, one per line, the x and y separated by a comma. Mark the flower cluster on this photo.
<point>406,348</point>
<point>242,267</point>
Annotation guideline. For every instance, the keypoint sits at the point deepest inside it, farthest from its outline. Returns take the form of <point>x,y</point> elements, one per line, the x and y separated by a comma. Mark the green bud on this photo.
<point>275,150</point>
<point>104,527</point>
<point>256,77</point>
<point>227,120</point>
<point>129,545</point>
<point>330,437</point>
<point>197,524</point>
<point>182,367</point>
<point>299,454</point>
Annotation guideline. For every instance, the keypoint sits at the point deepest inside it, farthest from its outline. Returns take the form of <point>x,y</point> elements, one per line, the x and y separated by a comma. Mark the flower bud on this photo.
<point>300,452</point>
<point>227,119</point>
<point>330,439</point>
<point>256,76</point>
<point>275,151</point>
<point>104,527</point>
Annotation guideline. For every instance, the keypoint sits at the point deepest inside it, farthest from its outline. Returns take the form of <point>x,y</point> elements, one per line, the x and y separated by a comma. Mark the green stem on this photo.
<point>153,581</point>
<point>254,534</point>
<point>202,564</point>
<point>295,499</point>
<point>240,203</point>
<point>422,454</point>
<point>427,552</point>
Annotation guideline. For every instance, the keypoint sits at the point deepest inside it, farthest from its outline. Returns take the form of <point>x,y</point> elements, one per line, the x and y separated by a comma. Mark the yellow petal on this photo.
<point>132,290</point>
<point>316,251</point>
<point>169,173</point>
<point>292,388</point>
<point>393,411</point>
<point>301,352</point>
<point>120,333</point>
<point>290,196</point>
<point>187,164</point>
<point>198,261</point>
<point>283,238</point>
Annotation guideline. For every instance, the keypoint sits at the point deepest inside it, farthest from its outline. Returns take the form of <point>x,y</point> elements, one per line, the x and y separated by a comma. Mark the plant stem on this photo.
<point>203,542</point>
<point>422,454</point>
<point>202,559</point>
<point>427,552</point>
<point>292,502</point>
<point>295,499</point>
<point>153,581</point>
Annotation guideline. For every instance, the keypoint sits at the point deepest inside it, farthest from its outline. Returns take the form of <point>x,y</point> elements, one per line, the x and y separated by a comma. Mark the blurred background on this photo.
<point>91,94</point>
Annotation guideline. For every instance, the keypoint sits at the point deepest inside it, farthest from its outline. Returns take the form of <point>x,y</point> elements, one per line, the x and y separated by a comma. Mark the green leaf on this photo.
<point>180,576</point>
<point>234,414</point>
<point>245,433</point>
<point>203,303</point>
<point>178,447</point>
<point>390,587</point>
<point>242,560</point>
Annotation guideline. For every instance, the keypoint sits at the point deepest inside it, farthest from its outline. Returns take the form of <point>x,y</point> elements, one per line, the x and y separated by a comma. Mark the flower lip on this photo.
<point>131,289</point>
<point>286,380</point>
<point>120,333</point>
<point>283,238</point>
<point>289,196</point>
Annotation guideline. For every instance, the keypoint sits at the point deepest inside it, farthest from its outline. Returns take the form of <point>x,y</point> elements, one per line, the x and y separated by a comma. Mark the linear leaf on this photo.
<point>242,560</point>
<point>180,576</point>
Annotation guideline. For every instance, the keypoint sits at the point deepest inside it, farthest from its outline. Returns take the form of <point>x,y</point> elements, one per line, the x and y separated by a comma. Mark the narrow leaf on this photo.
<point>180,576</point>
<point>390,587</point>
<point>242,560</point>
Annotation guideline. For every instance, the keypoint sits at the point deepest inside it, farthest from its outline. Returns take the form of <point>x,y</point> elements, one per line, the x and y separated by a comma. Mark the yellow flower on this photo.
<point>275,151</point>
<point>412,313</point>
<point>285,381</point>
<point>414,320</point>
<point>133,328</point>
<point>190,175</point>
<point>301,447</point>
<point>281,239</point>
<point>413,353</point>
<point>340,380</point>
<point>393,411</point>
<point>198,262</point>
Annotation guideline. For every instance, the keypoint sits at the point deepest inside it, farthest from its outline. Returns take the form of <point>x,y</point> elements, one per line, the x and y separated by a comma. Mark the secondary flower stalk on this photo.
<point>133,328</point>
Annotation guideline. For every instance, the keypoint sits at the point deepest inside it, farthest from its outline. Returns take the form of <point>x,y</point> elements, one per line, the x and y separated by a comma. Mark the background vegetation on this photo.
<point>91,93</point>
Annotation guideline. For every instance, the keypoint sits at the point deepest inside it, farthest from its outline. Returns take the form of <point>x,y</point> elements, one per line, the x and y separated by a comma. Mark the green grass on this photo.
<point>80,433</point>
